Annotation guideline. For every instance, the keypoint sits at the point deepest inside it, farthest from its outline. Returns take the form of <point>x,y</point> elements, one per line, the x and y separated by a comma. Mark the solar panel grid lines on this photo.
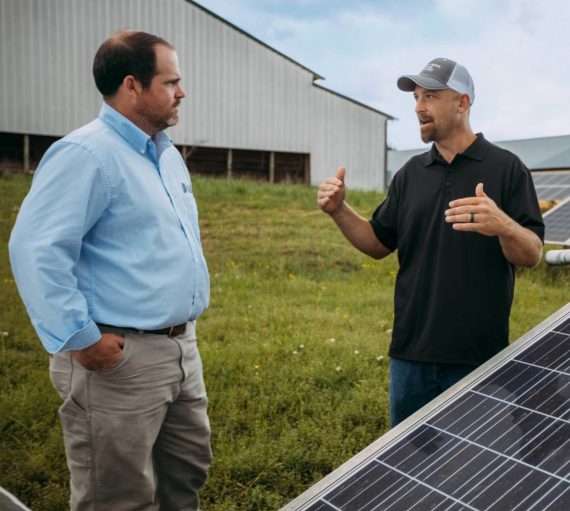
<point>552,185</point>
<point>557,224</point>
<point>550,177</point>
<point>498,440</point>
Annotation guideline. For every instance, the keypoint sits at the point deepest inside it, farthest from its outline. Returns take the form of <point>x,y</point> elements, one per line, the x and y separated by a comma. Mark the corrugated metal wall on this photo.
<point>241,94</point>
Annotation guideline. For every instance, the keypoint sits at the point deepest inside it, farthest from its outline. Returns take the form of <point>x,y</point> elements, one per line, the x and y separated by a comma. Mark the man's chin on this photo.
<point>172,121</point>
<point>427,135</point>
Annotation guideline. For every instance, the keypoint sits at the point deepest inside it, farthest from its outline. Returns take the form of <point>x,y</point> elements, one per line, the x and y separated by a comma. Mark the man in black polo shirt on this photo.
<point>462,216</point>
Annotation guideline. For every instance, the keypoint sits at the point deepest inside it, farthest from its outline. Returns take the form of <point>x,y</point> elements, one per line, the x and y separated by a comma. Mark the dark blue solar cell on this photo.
<point>373,482</point>
<point>423,439</point>
<point>550,352</point>
<point>511,431</point>
<point>460,468</point>
<point>550,452</point>
<point>564,327</point>
<point>408,499</point>
<point>321,506</point>
<point>384,501</point>
<point>525,492</point>
<point>494,483</point>
<point>454,507</point>
<point>466,414</point>
<point>550,396</point>
<point>427,455</point>
<point>558,499</point>
<point>503,485</point>
<point>512,380</point>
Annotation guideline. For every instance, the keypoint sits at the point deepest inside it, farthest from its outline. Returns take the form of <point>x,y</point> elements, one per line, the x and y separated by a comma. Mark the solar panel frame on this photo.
<point>310,499</point>
<point>557,224</point>
<point>10,503</point>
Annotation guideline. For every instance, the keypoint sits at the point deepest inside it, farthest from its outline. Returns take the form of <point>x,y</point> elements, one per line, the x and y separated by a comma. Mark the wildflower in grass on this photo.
<point>257,366</point>
<point>356,352</point>
<point>338,369</point>
<point>389,331</point>
<point>379,358</point>
<point>332,340</point>
<point>4,334</point>
<point>301,346</point>
<point>295,352</point>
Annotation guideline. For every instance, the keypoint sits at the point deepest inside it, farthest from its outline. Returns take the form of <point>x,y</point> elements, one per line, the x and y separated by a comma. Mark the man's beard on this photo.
<point>428,133</point>
<point>172,120</point>
<point>161,122</point>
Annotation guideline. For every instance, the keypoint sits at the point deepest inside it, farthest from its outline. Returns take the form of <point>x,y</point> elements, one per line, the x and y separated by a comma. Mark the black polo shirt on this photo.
<point>454,289</point>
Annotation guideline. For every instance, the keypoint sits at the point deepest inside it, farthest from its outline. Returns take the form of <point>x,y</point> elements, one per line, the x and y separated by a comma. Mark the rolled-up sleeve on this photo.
<point>67,197</point>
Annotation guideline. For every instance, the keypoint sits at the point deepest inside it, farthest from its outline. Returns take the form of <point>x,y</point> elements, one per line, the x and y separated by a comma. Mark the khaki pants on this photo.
<point>137,435</point>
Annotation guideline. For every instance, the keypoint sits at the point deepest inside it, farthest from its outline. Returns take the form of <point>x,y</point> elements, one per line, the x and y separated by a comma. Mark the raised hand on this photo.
<point>331,193</point>
<point>479,214</point>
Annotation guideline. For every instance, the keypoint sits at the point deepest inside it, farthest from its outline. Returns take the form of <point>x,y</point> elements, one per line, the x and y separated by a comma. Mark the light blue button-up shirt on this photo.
<point>108,234</point>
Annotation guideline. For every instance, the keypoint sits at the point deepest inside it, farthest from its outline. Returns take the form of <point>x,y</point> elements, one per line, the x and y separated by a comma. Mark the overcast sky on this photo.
<point>516,51</point>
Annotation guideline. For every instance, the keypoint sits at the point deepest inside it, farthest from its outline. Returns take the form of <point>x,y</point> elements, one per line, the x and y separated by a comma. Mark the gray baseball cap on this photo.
<point>440,74</point>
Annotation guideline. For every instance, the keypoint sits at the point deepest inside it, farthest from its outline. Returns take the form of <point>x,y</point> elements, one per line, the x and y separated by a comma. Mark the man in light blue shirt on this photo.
<point>107,257</point>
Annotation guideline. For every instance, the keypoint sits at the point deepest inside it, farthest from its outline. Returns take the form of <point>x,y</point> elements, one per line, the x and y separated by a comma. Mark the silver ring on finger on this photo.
<point>471,217</point>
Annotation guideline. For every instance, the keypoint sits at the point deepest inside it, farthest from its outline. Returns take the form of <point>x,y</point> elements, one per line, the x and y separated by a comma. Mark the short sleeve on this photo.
<point>523,203</point>
<point>384,220</point>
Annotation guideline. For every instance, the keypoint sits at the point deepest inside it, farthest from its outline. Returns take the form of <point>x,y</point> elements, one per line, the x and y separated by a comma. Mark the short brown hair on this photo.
<point>127,52</point>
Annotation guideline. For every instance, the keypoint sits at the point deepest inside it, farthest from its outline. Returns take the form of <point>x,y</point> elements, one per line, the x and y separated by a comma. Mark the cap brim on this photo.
<point>408,83</point>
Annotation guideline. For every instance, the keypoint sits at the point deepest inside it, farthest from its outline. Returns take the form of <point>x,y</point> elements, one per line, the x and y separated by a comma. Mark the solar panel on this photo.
<point>499,439</point>
<point>552,192</point>
<point>10,503</point>
<point>557,224</point>
<point>552,185</point>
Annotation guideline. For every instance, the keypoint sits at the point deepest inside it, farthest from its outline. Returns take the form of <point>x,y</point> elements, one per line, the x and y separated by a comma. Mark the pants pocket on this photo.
<point>115,368</point>
<point>60,373</point>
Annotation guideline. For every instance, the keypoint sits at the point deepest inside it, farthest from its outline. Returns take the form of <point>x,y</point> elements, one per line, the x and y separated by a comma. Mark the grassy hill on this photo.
<point>294,348</point>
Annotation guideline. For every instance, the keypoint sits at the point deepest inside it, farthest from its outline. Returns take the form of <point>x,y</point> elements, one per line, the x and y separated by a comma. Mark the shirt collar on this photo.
<point>476,151</point>
<point>131,132</point>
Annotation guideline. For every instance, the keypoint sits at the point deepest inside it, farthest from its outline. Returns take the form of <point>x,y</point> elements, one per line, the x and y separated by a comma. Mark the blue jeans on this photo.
<point>414,384</point>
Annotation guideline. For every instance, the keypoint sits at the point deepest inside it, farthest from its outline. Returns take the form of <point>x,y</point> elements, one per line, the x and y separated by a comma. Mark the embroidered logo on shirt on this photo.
<point>186,188</point>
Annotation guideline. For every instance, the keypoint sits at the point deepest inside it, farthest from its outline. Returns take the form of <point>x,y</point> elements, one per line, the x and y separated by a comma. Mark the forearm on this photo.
<point>359,232</point>
<point>521,246</point>
<point>45,246</point>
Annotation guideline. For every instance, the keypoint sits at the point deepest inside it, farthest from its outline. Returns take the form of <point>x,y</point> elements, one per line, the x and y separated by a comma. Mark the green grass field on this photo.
<point>294,348</point>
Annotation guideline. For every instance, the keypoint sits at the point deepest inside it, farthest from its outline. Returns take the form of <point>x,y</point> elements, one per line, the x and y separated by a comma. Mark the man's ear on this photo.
<point>464,103</point>
<point>131,85</point>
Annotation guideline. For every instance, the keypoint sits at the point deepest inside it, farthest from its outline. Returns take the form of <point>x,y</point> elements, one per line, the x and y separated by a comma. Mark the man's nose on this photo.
<point>180,92</point>
<point>420,105</point>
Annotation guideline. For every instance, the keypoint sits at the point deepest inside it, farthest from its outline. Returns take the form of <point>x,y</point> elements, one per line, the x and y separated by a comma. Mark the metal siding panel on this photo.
<point>239,93</point>
<point>350,135</point>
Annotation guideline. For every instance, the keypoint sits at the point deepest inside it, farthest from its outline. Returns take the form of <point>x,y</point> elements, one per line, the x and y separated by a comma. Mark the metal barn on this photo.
<point>250,110</point>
